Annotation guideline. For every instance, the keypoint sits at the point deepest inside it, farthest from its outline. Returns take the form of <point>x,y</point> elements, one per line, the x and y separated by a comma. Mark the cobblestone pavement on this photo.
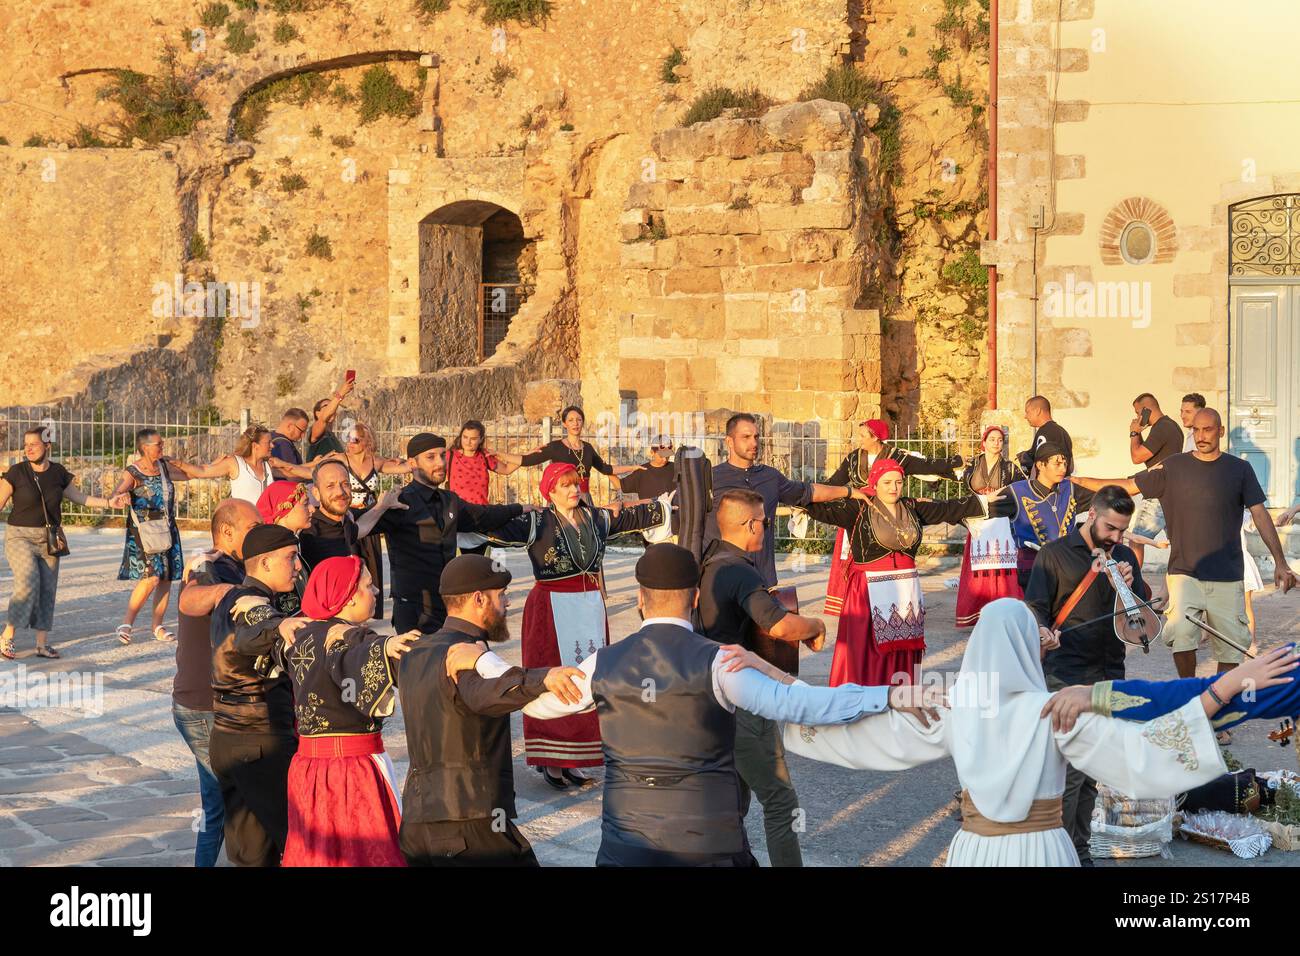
<point>116,786</point>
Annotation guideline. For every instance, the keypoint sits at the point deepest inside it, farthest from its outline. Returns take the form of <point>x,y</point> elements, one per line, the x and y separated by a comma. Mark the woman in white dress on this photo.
<point>1010,762</point>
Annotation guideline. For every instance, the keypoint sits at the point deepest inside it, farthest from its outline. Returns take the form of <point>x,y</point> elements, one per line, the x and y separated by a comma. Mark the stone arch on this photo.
<point>472,263</point>
<point>264,75</point>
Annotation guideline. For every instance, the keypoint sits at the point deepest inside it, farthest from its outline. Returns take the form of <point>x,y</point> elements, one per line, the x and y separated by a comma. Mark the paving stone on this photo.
<point>89,830</point>
<point>81,851</point>
<point>153,806</point>
<point>66,813</point>
<point>158,859</point>
<point>42,783</point>
<point>27,755</point>
<point>173,785</point>
<point>72,744</point>
<point>134,774</point>
<point>111,794</point>
<point>15,837</point>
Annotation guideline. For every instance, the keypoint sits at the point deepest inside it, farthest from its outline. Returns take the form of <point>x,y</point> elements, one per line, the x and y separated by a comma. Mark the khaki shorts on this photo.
<point>1221,604</point>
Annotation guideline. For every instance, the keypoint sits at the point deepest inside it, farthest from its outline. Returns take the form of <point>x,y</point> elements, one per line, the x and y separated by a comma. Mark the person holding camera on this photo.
<point>1164,438</point>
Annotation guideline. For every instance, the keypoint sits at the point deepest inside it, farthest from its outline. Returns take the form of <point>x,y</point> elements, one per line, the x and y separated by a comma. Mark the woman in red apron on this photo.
<point>881,635</point>
<point>564,614</point>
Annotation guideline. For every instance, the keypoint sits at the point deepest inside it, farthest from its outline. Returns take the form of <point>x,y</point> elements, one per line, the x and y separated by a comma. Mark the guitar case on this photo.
<point>694,498</point>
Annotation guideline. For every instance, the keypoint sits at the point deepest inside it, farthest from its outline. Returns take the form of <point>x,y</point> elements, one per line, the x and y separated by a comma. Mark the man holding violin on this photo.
<point>1078,637</point>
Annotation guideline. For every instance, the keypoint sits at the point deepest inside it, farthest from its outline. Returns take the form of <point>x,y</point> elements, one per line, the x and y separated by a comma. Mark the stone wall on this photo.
<point>553,122</point>
<point>744,253</point>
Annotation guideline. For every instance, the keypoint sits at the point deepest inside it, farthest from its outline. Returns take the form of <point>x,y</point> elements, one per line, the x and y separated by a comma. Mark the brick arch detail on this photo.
<point>1138,209</point>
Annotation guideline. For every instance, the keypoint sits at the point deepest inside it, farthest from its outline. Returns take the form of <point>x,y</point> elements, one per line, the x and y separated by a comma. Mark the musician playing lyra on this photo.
<point>1062,593</point>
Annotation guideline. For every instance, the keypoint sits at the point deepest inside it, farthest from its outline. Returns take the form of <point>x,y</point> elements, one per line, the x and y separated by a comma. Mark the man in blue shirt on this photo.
<point>741,470</point>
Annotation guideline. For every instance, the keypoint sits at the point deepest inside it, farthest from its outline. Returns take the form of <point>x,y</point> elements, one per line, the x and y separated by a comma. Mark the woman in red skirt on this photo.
<point>344,808</point>
<point>874,444</point>
<point>881,635</point>
<point>988,561</point>
<point>564,615</point>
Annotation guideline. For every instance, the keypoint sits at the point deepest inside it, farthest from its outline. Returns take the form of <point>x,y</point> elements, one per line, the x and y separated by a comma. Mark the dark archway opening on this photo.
<point>475,264</point>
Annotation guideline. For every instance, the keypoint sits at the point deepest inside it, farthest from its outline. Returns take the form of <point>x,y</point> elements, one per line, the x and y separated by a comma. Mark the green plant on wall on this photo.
<point>428,9</point>
<point>532,12</point>
<point>292,183</point>
<point>240,38</point>
<point>712,102</point>
<point>318,246</point>
<point>382,95</point>
<point>213,15</point>
<point>675,58</point>
<point>846,84</point>
<point>966,273</point>
<point>154,108</point>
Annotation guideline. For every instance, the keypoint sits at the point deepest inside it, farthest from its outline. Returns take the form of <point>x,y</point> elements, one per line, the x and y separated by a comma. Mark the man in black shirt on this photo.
<point>1204,495</point>
<point>1092,653</point>
<point>1038,413</point>
<point>734,604</point>
<point>333,532</point>
<point>253,739</point>
<point>1164,439</point>
<point>422,535</point>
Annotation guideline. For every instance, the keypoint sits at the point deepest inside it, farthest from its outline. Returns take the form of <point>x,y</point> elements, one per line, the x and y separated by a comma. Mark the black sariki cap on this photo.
<point>667,567</point>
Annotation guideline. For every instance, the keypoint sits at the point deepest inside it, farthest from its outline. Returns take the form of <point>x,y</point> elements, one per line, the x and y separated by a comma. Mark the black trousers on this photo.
<point>417,613</point>
<point>1080,790</point>
<point>460,843</point>
<point>253,770</point>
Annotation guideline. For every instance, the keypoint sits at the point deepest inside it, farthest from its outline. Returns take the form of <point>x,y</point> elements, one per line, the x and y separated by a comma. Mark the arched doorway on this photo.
<point>474,259</point>
<point>1264,296</point>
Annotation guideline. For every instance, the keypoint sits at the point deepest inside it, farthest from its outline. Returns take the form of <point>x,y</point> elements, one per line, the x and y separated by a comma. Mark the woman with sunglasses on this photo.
<point>250,468</point>
<point>150,481</point>
<point>468,467</point>
<point>882,625</point>
<point>564,615</point>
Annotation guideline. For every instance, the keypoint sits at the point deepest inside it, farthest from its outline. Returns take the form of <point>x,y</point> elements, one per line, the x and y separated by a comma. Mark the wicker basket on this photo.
<point>1147,830</point>
<point>1285,836</point>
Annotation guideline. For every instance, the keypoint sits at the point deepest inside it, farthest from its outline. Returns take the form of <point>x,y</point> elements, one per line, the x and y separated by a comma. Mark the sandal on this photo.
<point>1224,737</point>
<point>161,633</point>
<point>7,650</point>
<point>44,650</point>
<point>124,633</point>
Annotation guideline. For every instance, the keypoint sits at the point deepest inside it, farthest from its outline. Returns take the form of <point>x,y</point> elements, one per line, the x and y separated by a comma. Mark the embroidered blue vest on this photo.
<point>1042,520</point>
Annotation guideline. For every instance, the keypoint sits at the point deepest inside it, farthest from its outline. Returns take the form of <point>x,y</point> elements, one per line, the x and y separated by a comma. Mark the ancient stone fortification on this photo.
<point>742,262</point>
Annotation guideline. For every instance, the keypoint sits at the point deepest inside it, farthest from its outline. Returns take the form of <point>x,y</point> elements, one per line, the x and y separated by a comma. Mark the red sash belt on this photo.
<point>346,745</point>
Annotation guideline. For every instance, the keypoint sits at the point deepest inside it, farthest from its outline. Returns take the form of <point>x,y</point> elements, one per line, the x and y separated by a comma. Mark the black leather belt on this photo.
<point>242,698</point>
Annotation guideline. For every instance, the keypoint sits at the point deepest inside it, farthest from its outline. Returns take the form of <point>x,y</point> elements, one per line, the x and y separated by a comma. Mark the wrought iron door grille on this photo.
<point>1264,237</point>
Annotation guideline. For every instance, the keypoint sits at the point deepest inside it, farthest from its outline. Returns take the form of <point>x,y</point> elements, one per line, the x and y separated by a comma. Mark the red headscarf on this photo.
<point>279,499</point>
<point>882,467</point>
<point>331,586</point>
<point>878,428</point>
<point>989,431</point>
<point>552,474</point>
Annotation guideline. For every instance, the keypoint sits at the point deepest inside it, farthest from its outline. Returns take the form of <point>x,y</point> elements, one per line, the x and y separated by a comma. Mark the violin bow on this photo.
<point>1215,633</point>
<point>1107,617</point>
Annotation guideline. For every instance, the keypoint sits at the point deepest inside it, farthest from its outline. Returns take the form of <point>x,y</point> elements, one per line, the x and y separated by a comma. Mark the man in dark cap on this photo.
<point>422,535</point>
<point>253,739</point>
<point>459,799</point>
<point>1042,509</point>
<point>667,697</point>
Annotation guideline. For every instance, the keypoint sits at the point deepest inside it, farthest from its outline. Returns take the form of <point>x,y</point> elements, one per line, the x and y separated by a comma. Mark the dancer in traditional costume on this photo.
<point>1011,763</point>
<point>564,615</point>
<point>882,626</point>
<point>1042,509</point>
<point>344,808</point>
<point>988,561</point>
<point>874,437</point>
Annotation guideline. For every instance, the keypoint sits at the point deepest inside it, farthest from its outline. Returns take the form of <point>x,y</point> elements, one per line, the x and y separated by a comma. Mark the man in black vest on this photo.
<point>734,605</point>
<point>422,536</point>
<point>666,697</point>
<point>458,805</point>
<point>253,739</point>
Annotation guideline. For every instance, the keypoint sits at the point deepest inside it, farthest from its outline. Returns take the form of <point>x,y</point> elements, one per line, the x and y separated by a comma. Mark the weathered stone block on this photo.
<point>813,245</point>
<point>717,220</point>
<point>746,314</point>
<point>805,216</point>
<point>780,374</point>
<point>810,125</point>
<point>739,374</point>
<point>643,376</point>
<point>707,251</point>
<point>692,281</point>
<point>764,249</point>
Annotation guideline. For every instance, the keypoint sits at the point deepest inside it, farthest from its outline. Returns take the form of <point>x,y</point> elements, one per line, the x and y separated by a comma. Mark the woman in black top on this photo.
<point>36,486</point>
<point>572,450</point>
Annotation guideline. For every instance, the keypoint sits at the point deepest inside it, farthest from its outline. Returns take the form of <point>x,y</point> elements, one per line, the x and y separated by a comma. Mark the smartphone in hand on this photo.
<point>351,376</point>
